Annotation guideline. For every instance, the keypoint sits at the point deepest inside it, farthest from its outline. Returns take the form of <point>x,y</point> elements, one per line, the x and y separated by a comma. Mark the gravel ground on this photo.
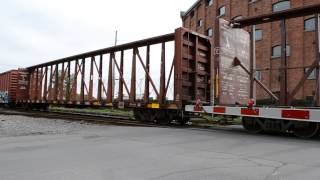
<point>25,126</point>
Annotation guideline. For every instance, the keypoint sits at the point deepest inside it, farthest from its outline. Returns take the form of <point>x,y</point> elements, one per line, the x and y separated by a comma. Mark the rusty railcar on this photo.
<point>14,86</point>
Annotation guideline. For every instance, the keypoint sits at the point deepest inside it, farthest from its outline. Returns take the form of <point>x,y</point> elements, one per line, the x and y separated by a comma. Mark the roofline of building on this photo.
<point>196,4</point>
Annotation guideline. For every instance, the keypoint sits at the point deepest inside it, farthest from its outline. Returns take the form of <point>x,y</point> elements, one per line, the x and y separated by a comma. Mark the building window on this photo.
<point>222,11</point>
<point>258,34</point>
<point>209,2</point>
<point>281,6</point>
<point>276,51</point>
<point>237,18</point>
<point>210,32</point>
<point>310,24</point>
<point>200,23</point>
<point>258,75</point>
<point>252,1</point>
<point>312,76</point>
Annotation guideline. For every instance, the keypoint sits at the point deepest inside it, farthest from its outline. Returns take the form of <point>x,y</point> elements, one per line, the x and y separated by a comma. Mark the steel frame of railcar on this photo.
<point>303,121</point>
<point>47,80</point>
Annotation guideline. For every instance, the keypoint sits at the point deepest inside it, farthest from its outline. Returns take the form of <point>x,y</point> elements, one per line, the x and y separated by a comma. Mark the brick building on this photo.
<point>300,39</point>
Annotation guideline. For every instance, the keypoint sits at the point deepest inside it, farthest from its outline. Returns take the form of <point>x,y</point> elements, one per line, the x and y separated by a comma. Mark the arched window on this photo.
<point>210,32</point>
<point>209,2</point>
<point>276,51</point>
<point>310,24</point>
<point>221,11</point>
<point>281,6</point>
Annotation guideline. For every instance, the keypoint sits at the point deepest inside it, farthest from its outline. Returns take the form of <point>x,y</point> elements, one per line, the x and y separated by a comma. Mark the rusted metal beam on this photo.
<point>110,79</point>
<point>237,62</point>
<point>132,96</point>
<point>83,74</point>
<point>56,82</point>
<point>148,75</point>
<point>68,82</point>
<point>317,94</point>
<point>100,69</point>
<point>121,82</point>
<point>75,82</point>
<point>91,80</point>
<point>276,16</point>
<point>162,97</point>
<point>147,82</point>
<point>283,68</point>
<point>50,83</point>
<point>195,81</point>
<point>61,89</point>
<point>252,60</point>
<point>177,64</point>
<point>45,90</point>
<point>136,44</point>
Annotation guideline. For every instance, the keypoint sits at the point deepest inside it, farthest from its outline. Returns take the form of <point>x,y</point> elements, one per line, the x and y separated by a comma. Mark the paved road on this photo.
<point>40,149</point>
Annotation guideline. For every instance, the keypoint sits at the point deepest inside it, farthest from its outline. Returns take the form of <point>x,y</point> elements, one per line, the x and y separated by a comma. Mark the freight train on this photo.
<point>210,75</point>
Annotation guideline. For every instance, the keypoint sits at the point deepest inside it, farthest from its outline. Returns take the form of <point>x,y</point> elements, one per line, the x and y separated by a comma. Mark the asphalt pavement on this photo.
<point>47,149</point>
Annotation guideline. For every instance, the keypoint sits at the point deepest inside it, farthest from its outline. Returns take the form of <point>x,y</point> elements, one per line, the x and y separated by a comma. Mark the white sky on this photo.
<point>37,31</point>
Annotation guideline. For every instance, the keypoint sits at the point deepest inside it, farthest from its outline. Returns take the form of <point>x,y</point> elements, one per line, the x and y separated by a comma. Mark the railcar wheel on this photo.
<point>163,118</point>
<point>251,125</point>
<point>143,115</point>
<point>306,129</point>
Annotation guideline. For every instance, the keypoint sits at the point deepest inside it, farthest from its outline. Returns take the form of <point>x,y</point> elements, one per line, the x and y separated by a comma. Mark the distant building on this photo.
<point>300,41</point>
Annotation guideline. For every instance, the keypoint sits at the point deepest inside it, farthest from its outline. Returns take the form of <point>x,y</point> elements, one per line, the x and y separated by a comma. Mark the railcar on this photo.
<point>208,75</point>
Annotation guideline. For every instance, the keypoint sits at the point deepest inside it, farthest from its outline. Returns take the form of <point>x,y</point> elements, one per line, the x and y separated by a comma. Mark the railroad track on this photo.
<point>81,117</point>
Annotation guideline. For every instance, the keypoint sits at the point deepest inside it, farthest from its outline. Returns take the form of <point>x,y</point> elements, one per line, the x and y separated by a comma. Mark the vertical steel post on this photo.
<point>132,97</point>
<point>75,81</point>
<point>45,90</point>
<point>283,68</point>
<point>100,79</point>
<point>163,74</point>
<point>69,82</point>
<point>317,59</point>
<point>195,81</point>
<point>91,80</point>
<point>56,83</point>
<point>177,67</point>
<point>121,81</point>
<point>252,60</point>
<point>82,80</point>
<point>110,80</point>
<point>61,89</point>
<point>50,83</point>
<point>146,84</point>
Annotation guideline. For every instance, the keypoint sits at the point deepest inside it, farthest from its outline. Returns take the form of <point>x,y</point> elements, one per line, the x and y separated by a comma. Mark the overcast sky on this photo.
<point>36,31</point>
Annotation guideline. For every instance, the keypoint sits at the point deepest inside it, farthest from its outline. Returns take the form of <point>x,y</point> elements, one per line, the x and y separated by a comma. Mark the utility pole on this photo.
<point>113,68</point>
